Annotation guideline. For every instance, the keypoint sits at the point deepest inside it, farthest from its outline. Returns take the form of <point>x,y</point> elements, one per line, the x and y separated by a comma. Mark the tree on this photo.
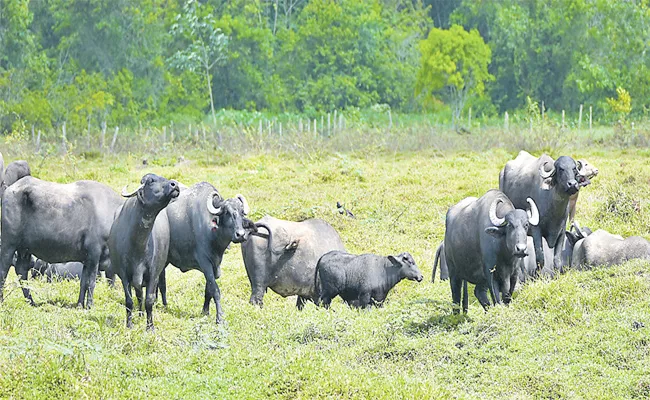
<point>454,66</point>
<point>206,44</point>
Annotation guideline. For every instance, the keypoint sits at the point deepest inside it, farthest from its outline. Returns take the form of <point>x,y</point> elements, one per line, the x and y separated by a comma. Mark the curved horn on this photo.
<point>131,194</point>
<point>575,226</point>
<point>211,208</point>
<point>544,173</point>
<point>581,166</point>
<point>241,198</point>
<point>496,221</point>
<point>533,212</point>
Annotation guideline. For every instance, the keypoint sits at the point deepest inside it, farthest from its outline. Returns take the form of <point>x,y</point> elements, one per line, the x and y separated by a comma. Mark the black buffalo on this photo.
<point>202,225</point>
<point>139,241</point>
<point>550,184</point>
<point>57,223</point>
<point>361,280</point>
<point>485,240</point>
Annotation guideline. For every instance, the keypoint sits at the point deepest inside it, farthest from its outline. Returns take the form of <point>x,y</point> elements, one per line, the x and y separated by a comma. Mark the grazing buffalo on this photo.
<point>602,248</point>
<point>586,172</point>
<point>485,239</point>
<point>440,258</point>
<point>139,241</point>
<point>283,256</point>
<point>57,223</point>
<point>362,280</point>
<point>550,184</point>
<point>202,225</point>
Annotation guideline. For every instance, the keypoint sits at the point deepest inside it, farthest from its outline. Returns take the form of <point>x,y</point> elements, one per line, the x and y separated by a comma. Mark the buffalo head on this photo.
<point>513,226</point>
<point>586,172</point>
<point>230,216</point>
<point>563,173</point>
<point>154,192</point>
<point>406,264</point>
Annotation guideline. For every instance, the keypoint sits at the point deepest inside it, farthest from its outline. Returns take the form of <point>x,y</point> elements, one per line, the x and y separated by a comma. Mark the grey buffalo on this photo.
<point>586,172</point>
<point>283,256</point>
<point>440,259</point>
<point>139,241</point>
<point>361,280</point>
<point>602,248</point>
<point>57,223</point>
<point>202,225</point>
<point>550,184</point>
<point>485,240</point>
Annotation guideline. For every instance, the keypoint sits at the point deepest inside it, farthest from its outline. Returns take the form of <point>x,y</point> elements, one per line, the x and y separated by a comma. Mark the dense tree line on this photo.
<point>154,61</point>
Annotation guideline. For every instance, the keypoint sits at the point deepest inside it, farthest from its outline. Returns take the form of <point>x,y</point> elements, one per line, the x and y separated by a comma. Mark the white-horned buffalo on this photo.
<point>550,184</point>
<point>283,256</point>
<point>602,248</point>
<point>139,241</point>
<point>485,240</point>
<point>57,223</point>
<point>202,225</point>
<point>361,280</point>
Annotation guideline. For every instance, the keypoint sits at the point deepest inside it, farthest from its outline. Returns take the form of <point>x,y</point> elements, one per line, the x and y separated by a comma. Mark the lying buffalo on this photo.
<point>485,239</point>
<point>57,223</point>
<point>202,225</point>
<point>602,248</point>
<point>283,256</point>
<point>139,241</point>
<point>550,184</point>
<point>364,280</point>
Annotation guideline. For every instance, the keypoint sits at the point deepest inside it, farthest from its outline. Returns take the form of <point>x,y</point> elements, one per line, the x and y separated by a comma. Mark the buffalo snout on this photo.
<point>520,250</point>
<point>572,186</point>
<point>239,236</point>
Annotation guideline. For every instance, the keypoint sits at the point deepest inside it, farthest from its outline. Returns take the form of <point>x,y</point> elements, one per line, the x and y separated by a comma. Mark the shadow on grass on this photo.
<point>60,303</point>
<point>440,318</point>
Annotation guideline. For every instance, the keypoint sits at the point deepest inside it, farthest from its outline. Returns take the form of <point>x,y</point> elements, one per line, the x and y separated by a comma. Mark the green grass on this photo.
<point>571,337</point>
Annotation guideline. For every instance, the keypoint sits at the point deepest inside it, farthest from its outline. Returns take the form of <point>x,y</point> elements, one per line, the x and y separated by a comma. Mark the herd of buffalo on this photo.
<point>76,230</point>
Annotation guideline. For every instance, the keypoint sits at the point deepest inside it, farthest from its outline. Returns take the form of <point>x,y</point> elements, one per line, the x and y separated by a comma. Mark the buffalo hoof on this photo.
<point>256,302</point>
<point>151,328</point>
<point>219,320</point>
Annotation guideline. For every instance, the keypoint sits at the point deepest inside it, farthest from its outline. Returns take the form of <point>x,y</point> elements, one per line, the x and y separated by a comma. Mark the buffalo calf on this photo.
<point>362,280</point>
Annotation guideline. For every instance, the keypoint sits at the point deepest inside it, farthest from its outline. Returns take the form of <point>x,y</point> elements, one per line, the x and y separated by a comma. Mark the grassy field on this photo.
<point>579,336</point>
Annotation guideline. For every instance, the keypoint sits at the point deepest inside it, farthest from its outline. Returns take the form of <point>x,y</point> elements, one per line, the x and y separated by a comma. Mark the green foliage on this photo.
<point>622,105</point>
<point>454,66</point>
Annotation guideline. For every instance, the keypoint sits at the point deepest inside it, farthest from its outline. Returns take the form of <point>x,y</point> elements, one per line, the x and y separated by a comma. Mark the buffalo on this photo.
<point>202,225</point>
<point>550,184</point>
<point>602,248</point>
<point>139,241</point>
<point>283,256</point>
<point>586,172</point>
<point>485,239</point>
<point>57,223</point>
<point>361,280</point>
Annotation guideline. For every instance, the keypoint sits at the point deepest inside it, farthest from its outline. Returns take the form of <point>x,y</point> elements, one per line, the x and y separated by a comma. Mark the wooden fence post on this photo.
<point>390,120</point>
<point>469,118</point>
<point>102,139</point>
<point>580,118</point>
<point>64,139</point>
<point>563,119</point>
<point>117,128</point>
<point>335,120</point>
<point>589,118</point>
<point>38,141</point>
<point>329,116</point>
<point>505,121</point>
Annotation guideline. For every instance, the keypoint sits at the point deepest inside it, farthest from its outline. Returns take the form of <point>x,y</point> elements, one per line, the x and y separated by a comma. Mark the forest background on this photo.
<point>92,63</point>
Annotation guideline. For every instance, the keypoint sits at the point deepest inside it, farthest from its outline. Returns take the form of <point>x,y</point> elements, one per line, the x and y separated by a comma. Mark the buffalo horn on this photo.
<point>131,194</point>
<point>211,208</point>
<point>544,173</point>
<point>496,221</point>
<point>580,165</point>
<point>533,212</point>
<point>578,230</point>
<point>244,203</point>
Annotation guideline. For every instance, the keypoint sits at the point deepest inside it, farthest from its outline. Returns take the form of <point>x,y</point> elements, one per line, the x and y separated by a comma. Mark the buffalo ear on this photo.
<point>547,184</point>
<point>495,231</point>
<point>395,261</point>
<point>571,237</point>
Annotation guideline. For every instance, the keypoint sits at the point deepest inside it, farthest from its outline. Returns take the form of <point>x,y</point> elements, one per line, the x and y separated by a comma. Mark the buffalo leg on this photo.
<point>83,285</point>
<point>212,291</point>
<point>90,290</point>
<point>300,302</point>
<point>480,292</point>
<point>128,302</point>
<point>162,286</point>
<point>456,287</point>
<point>557,254</point>
<point>465,298</point>
<point>138,295</point>
<point>6,258</point>
<point>539,250</point>
<point>507,294</point>
<point>152,290</point>
<point>22,269</point>
<point>364,300</point>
